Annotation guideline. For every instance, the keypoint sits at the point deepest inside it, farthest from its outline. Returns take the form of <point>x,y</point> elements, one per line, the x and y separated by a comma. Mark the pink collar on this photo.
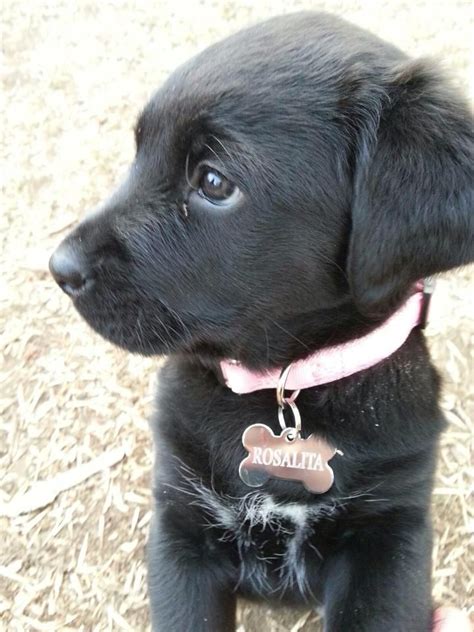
<point>335,363</point>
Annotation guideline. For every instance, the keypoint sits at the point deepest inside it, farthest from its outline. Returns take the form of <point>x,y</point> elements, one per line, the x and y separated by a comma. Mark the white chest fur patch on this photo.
<point>255,509</point>
<point>242,518</point>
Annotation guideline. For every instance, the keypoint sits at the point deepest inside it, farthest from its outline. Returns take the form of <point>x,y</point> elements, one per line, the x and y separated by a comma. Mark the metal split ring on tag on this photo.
<point>295,431</point>
<point>283,401</point>
<point>288,402</point>
<point>286,456</point>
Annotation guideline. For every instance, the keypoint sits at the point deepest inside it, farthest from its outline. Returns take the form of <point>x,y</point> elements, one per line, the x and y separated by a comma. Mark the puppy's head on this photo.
<point>290,185</point>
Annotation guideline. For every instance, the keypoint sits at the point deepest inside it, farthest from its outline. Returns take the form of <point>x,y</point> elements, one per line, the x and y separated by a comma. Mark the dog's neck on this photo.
<point>336,362</point>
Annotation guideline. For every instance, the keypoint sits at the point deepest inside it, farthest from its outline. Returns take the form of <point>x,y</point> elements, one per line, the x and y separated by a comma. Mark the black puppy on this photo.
<point>290,186</point>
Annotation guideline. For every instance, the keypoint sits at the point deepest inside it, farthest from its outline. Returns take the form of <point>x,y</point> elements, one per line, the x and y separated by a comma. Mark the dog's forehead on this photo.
<point>252,64</point>
<point>278,59</point>
<point>264,76</point>
<point>308,44</point>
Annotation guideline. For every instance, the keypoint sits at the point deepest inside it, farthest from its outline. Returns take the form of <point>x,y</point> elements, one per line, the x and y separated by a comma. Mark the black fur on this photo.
<point>354,165</point>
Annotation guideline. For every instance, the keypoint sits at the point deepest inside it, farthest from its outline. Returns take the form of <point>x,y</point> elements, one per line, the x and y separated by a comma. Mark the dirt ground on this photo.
<point>73,410</point>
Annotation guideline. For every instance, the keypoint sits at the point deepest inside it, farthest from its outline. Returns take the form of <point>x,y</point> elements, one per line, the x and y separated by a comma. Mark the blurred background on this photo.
<point>73,410</point>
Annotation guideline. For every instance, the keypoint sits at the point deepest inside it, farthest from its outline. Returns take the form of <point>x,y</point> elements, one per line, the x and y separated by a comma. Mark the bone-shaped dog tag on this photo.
<point>286,456</point>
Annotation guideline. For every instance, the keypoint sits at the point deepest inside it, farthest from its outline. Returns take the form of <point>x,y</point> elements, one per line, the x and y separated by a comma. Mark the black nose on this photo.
<point>69,270</point>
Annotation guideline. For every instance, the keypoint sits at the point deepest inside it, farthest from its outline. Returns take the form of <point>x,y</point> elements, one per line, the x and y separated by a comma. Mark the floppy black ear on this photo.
<point>412,212</point>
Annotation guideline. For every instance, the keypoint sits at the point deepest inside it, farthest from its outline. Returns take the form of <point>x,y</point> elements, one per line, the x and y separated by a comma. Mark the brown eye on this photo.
<point>215,187</point>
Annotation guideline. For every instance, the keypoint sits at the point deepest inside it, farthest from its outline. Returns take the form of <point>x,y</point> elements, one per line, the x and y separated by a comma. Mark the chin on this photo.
<point>132,330</point>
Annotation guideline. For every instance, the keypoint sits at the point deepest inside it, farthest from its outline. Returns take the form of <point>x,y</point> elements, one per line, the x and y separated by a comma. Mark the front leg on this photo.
<point>189,583</point>
<point>380,581</point>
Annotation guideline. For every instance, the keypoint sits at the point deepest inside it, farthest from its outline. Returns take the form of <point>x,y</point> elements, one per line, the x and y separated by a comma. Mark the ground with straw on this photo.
<point>73,410</point>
